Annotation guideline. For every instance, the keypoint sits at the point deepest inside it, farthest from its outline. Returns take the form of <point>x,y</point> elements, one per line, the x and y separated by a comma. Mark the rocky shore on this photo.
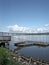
<point>28,60</point>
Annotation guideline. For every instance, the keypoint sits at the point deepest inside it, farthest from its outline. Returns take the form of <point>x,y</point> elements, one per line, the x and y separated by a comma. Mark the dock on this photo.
<point>29,43</point>
<point>4,38</point>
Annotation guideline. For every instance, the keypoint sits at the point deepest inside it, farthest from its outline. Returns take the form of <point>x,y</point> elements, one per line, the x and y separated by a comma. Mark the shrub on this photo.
<point>3,56</point>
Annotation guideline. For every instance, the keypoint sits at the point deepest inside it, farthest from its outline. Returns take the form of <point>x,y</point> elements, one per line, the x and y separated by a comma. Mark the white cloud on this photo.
<point>39,30</point>
<point>46,25</point>
<point>16,28</point>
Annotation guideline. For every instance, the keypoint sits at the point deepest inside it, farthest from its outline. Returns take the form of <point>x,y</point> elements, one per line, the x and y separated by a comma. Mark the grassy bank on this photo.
<point>6,58</point>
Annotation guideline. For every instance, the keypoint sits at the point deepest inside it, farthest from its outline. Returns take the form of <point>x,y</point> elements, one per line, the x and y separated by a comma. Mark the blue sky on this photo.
<point>24,13</point>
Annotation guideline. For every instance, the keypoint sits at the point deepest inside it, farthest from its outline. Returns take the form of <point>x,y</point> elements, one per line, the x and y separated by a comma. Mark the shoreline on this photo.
<point>21,58</point>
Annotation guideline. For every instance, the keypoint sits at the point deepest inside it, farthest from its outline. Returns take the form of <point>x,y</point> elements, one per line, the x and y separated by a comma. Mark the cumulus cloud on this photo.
<point>39,30</point>
<point>16,28</point>
<point>42,30</point>
<point>46,25</point>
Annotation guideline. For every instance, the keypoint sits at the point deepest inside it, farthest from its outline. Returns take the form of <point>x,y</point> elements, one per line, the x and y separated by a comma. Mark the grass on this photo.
<point>6,58</point>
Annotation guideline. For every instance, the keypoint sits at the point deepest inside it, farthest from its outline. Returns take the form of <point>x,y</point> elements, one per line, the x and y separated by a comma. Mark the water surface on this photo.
<point>35,52</point>
<point>32,51</point>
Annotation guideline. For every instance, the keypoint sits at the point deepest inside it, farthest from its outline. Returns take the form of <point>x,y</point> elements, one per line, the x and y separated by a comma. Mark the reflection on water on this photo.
<point>35,52</point>
<point>41,38</point>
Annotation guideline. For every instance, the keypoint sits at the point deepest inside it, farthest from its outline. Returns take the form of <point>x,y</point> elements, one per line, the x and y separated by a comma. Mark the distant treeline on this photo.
<point>30,33</point>
<point>9,33</point>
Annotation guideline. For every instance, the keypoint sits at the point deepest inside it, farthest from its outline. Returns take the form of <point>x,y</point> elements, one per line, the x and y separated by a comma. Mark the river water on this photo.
<point>32,51</point>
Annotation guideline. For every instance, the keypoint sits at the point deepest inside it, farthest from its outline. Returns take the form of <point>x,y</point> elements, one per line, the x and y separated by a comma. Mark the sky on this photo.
<point>24,15</point>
